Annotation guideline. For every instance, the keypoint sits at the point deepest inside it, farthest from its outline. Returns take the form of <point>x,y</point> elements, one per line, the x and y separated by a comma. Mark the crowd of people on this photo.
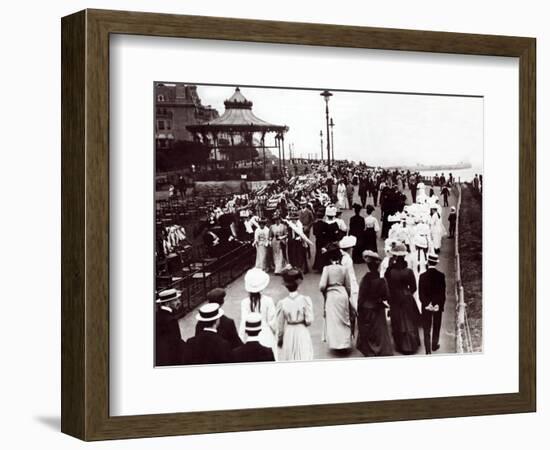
<point>293,223</point>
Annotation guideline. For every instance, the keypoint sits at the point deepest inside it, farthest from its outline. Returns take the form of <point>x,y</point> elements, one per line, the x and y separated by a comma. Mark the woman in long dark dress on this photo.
<point>357,229</point>
<point>374,337</point>
<point>404,314</point>
<point>319,231</point>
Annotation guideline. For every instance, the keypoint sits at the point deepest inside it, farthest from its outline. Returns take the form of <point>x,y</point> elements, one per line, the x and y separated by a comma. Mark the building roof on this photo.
<point>238,116</point>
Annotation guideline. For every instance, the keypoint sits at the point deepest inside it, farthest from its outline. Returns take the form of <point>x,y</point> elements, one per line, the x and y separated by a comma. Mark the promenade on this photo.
<point>310,287</point>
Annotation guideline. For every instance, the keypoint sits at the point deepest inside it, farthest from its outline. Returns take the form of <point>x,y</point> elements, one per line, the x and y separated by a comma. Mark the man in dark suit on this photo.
<point>207,346</point>
<point>253,351</point>
<point>226,327</point>
<point>170,349</point>
<point>431,290</point>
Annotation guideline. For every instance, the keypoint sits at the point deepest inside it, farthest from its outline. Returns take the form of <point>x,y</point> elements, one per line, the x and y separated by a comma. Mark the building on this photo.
<point>178,105</point>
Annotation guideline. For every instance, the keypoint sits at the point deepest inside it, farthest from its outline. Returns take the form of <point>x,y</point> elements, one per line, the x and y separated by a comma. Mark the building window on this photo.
<point>168,124</point>
<point>160,98</point>
<point>160,124</point>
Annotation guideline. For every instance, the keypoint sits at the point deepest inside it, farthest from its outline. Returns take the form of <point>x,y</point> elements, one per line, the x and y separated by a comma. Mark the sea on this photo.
<point>463,175</point>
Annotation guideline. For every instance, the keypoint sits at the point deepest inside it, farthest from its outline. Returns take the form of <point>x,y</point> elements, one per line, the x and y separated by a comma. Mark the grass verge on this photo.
<point>470,248</point>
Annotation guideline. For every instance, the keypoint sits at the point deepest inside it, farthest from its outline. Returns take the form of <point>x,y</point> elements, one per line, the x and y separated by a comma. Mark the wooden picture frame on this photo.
<point>85,224</point>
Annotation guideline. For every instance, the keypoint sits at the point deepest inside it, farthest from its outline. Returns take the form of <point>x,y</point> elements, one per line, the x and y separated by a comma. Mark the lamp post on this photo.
<point>321,134</point>
<point>326,95</point>
<point>332,137</point>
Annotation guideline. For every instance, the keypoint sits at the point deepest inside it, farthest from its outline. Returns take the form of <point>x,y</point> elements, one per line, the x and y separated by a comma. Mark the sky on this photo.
<point>377,128</point>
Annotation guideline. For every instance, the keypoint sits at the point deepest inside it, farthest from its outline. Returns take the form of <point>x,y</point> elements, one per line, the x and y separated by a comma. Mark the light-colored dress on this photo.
<point>294,316</point>
<point>269,321</point>
<point>347,263</point>
<point>342,196</point>
<point>437,230</point>
<point>261,242</point>
<point>278,233</point>
<point>335,285</point>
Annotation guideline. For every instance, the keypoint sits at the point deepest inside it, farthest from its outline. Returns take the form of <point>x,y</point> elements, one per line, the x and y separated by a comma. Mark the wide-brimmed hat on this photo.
<point>433,259</point>
<point>255,280</point>
<point>216,295</point>
<point>209,312</point>
<point>330,210</point>
<point>347,242</point>
<point>244,213</point>
<point>253,322</point>
<point>168,295</point>
<point>399,250</point>
<point>453,209</point>
<point>370,255</point>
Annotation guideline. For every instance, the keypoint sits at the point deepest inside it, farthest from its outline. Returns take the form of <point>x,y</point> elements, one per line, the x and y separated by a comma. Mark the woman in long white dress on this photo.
<point>294,316</point>
<point>255,281</point>
<point>342,195</point>
<point>437,230</point>
<point>261,242</point>
<point>346,245</point>
<point>278,234</point>
<point>335,286</point>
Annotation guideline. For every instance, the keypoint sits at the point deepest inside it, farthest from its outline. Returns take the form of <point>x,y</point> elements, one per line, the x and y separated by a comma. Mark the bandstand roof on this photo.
<point>238,116</point>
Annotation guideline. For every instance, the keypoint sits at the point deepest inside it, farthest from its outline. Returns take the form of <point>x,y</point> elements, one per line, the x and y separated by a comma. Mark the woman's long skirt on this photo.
<point>261,258</point>
<point>319,261</point>
<point>342,200</point>
<point>279,258</point>
<point>337,318</point>
<point>297,345</point>
<point>356,200</point>
<point>297,255</point>
<point>374,336</point>
<point>405,320</point>
<point>370,240</point>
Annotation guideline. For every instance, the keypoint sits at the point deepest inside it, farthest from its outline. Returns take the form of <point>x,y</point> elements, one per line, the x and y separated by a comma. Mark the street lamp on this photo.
<point>321,134</point>
<point>332,137</point>
<point>326,94</point>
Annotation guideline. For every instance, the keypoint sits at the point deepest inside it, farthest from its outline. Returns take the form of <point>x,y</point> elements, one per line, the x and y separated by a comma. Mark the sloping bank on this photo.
<point>470,248</point>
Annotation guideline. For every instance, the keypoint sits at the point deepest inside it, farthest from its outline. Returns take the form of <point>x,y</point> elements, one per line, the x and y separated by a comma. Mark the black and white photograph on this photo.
<point>310,223</point>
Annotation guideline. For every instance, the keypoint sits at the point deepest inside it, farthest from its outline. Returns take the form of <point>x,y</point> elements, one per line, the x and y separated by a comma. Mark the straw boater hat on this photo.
<point>433,259</point>
<point>399,250</point>
<point>370,255</point>
<point>168,295</point>
<point>255,280</point>
<point>209,312</point>
<point>347,242</point>
<point>253,322</point>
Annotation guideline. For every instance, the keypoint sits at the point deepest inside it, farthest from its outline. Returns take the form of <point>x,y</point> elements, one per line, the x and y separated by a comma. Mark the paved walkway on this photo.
<point>310,287</point>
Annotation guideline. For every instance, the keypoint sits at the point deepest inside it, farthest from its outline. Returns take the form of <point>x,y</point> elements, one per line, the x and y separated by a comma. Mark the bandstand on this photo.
<point>239,135</point>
